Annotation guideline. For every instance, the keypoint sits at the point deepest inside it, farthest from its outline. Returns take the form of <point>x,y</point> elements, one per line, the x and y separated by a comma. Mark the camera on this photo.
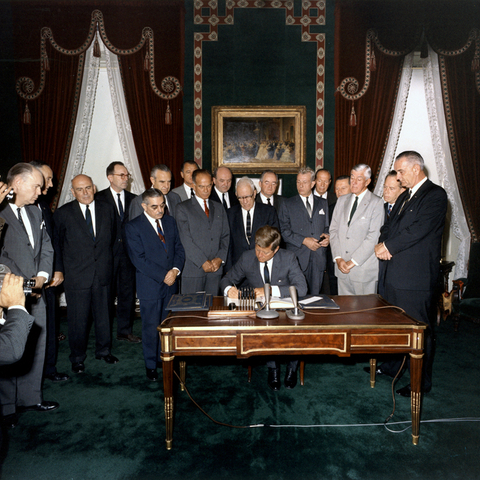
<point>28,284</point>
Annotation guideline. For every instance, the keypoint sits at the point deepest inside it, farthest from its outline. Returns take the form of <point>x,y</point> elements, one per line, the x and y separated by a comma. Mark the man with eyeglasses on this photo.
<point>245,219</point>
<point>123,285</point>
<point>205,236</point>
<point>268,184</point>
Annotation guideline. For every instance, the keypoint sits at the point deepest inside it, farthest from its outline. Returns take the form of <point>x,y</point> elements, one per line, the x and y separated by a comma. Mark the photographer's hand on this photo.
<point>12,291</point>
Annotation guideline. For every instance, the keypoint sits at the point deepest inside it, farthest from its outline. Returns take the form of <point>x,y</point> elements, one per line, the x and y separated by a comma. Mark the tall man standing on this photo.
<point>354,232</point>
<point>222,191</point>
<point>123,286</point>
<point>304,226</point>
<point>410,244</point>
<point>185,190</point>
<point>154,246</point>
<point>28,252</point>
<point>85,232</point>
<point>205,236</point>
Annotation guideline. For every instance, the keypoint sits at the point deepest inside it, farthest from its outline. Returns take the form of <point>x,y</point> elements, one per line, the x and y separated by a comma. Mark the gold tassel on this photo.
<point>46,64</point>
<point>96,48</point>
<point>168,115</point>
<point>373,62</point>
<point>353,117</point>
<point>146,63</point>
<point>27,118</point>
<point>475,64</point>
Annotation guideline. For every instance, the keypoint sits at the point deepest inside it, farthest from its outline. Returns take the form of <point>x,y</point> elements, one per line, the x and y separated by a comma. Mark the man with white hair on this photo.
<point>245,219</point>
<point>354,232</point>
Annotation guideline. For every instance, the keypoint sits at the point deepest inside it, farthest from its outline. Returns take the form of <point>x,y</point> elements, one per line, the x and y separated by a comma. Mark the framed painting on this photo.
<point>253,139</point>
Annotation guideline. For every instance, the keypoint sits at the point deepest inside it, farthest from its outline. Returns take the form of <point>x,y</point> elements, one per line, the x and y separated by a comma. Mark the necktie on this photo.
<point>266,273</point>
<point>224,201</point>
<point>20,219</point>
<point>390,206</point>
<point>192,192</point>
<point>269,202</point>
<point>407,199</point>
<point>207,211</point>
<point>248,230</point>
<point>309,208</point>
<point>88,219</point>
<point>166,207</point>
<point>160,233</point>
<point>120,207</point>
<point>354,208</point>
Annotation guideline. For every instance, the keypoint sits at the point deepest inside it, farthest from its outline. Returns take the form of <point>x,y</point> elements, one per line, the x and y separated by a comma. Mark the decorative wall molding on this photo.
<point>206,14</point>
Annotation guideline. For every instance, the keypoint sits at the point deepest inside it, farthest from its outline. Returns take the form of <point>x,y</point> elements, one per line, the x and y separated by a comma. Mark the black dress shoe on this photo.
<point>130,338</point>
<point>10,421</point>
<point>152,374</point>
<point>107,358</point>
<point>40,407</point>
<point>290,378</point>
<point>274,379</point>
<point>406,391</point>
<point>58,377</point>
<point>78,367</point>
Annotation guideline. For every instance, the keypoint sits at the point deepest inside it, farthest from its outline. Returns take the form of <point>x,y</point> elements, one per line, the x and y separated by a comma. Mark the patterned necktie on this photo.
<point>88,219</point>
<point>160,233</point>
<point>309,208</point>
<point>354,208</point>
<point>390,206</point>
<point>207,211</point>
<point>248,230</point>
<point>120,207</point>
<point>266,273</point>
<point>224,201</point>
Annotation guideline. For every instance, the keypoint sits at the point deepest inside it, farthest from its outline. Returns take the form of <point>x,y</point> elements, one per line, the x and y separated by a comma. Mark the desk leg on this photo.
<point>373,369</point>
<point>183,374</point>
<point>416,363</point>
<point>168,392</point>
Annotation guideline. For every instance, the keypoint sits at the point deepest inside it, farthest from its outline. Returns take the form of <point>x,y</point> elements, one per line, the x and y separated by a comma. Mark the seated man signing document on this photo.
<point>268,264</point>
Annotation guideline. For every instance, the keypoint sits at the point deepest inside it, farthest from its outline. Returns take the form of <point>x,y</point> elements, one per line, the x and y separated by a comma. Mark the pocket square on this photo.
<point>321,212</point>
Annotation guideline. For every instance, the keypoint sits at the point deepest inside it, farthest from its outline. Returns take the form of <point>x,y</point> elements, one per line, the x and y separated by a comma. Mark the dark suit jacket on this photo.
<point>413,237</point>
<point>136,206</point>
<point>81,258</point>
<point>296,225</point>
<point>264,215</point>
<point>13,335</point>
<point>285,272</point>
<point>106,196</point>
<point>150,257</point>
<point>202,238</point>
<point>277,201</point>
<point>231,195</point>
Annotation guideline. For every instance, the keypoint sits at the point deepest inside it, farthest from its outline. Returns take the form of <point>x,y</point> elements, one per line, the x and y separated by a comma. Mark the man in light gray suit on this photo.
<point>205,236</point>
<point>185,190</point>
<point>304,226</point>
<point>28,252</point>
<point>161,178</point>
<point>354,232</point>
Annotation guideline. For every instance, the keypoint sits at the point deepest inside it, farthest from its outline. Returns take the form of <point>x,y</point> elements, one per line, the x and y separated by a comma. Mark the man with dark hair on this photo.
<point>268,184</point>
<point>410,245</point>
<point>268,264</point>
<point>323,180</point>
<point>342,185</point>
<point>85,231</point>
<point>161,178</point>
<point>205,235</point>
<point>222,190</point>
<point>28,252</point>
<point>123,286</point>
<point>154,246</point>
<point>185,191</point>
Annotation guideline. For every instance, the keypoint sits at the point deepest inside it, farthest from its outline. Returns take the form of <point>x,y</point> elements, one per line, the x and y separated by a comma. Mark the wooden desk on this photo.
<point>370,330</point>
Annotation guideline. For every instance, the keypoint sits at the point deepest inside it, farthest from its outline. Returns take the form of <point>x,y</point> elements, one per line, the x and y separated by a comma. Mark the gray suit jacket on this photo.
<point>136,205</point>
<point>180,191</point>
<point>285,272</point>
<point>358,240</point>
<point>202,238</point>
<point>13,335</point>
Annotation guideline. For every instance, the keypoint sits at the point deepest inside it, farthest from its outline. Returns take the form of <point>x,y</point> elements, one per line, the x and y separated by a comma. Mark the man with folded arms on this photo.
<point>277,267</point>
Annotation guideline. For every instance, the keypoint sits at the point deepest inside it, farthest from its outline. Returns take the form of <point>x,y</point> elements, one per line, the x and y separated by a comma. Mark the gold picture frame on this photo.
<point>258,138</point>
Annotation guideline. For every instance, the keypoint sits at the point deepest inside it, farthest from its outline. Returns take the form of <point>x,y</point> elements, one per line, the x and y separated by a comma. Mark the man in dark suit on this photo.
<point>268,264</point>
<point>85,231</point>
<point>268,184</point>
<point>154,246</point>
<point>185,190</point>
<point>304,226</point>
<point>222,191</point>
<point>245,219</point>
<point>50,370</point>
<point>123,286</point>
<point>161,178</point>
<point>28,252</point>
<point>205,236</point>
<point>410,244</point>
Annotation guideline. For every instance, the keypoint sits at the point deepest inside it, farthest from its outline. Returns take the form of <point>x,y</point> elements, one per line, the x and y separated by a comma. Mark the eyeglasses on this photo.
<point>122,175</point>
<point>241,199</point>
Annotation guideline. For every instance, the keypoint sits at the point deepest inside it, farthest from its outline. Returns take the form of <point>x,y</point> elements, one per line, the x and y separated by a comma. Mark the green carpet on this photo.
<point>110,424</point>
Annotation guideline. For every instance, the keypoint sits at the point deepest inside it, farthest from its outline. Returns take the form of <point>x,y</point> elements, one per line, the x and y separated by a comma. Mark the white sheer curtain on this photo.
<point>85,119</point>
